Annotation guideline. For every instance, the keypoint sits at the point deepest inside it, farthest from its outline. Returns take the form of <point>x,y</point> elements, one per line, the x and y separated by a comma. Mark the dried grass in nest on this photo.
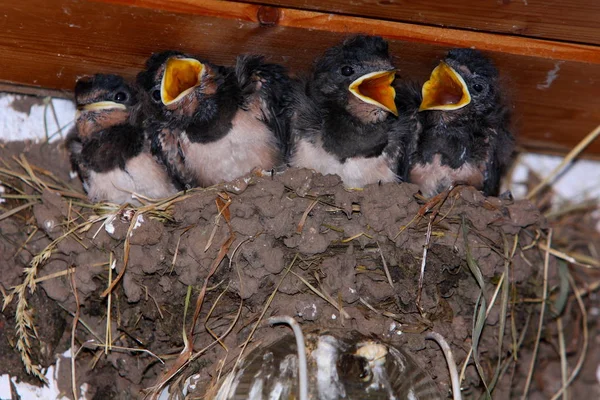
<point>573,241</point>
<point>20,177</point>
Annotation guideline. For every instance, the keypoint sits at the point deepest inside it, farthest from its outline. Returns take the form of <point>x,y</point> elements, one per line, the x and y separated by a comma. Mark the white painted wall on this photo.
<point>18,125</point>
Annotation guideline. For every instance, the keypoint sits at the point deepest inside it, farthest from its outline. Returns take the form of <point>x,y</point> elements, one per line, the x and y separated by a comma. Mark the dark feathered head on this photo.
<point>356,75</point>
<point>104,92</point>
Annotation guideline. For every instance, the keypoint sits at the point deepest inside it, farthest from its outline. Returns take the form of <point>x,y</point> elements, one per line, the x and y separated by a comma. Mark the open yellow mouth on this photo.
<point>181,76</point>
<point>375,88</point>
<point>101,105</point>
<point>445,90</point>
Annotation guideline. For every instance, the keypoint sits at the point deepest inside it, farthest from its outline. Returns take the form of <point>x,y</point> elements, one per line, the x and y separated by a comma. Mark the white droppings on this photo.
<point>108,224</point>
<point>73,174</point>
<point>2,199</point>
<point>353,291</point>
<point>550,77</point>
<point>138,222</point>
<point>333,316</point>
<point>392,326</point>
<point>49,224</point>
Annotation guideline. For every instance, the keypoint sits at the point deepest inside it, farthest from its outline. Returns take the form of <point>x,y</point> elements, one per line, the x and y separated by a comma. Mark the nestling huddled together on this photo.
<point>186,123</point>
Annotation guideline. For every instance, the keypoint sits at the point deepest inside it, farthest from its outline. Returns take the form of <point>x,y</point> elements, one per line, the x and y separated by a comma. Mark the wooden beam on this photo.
<point>49,43</point>
<point>310,20</point>
<point>573,20</point>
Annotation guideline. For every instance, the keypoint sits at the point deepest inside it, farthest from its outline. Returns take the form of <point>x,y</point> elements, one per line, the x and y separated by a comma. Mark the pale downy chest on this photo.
<point>434,177</point>
<point>248,145</point>
<point>142,175</point>
<point>354,171</point>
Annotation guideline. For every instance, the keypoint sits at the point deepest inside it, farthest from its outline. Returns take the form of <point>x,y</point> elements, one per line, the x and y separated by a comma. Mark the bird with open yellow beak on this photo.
<point>212,124</point>
<point>346,121</point>
<point>461,125</point>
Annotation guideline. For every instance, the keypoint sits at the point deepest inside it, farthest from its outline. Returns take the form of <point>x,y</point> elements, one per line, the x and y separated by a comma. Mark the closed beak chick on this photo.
<point>210,123</point>
<point>345,121</point>
<point>108,149</point>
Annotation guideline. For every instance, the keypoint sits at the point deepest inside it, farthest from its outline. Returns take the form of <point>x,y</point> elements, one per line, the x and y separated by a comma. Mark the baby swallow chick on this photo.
<point>210,123</point>
<point>107,149</point>
<point>346,122</point>
<point>462,127</point>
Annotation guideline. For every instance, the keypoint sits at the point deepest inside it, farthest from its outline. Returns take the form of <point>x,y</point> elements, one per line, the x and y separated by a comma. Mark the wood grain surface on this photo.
<point>567,20</point>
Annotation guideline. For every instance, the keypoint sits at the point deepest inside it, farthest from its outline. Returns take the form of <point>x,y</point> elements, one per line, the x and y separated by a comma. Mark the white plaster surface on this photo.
<point>17,125</point>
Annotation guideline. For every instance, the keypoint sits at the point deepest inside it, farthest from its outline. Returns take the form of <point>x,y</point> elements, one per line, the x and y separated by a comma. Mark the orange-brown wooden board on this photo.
<point>50,43</point>
<point>569,20</point>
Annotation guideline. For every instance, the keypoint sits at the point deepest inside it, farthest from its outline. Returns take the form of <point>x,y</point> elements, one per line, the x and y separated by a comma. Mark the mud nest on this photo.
<point>296,244</point>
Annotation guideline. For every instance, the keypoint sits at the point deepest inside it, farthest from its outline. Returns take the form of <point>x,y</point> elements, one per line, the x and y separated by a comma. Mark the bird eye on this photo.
<point>347,71</point>
<point>156,95</point>
<point>121,97</point>
<point>478,87</point>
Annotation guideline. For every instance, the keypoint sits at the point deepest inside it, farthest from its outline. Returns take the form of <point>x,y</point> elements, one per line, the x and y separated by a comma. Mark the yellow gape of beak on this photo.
<point>376,88</point>
<point>445,90</point>
<point>181,76</point>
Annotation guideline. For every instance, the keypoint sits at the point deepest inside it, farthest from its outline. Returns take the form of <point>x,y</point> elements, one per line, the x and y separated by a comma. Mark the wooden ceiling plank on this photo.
<point>573,20</point>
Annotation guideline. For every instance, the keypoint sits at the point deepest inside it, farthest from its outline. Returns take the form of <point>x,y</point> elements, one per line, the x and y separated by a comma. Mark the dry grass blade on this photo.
<point>563,356</point>
<point>126,248</point>
<point>568,158</point>
<point>505,285</point>
<point>571,258</point>
<point>424,262</point>
<point>108,330</point>
<point>17,209</point>
<point>208,315</point>
<point>479,313</point>
<point>305,215</point>
<point>541,322</point>
<point>222,252</point>
<point>385,267</point>
<point>584,323</point>
<point>73,329</point>
<point>322,295</point>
